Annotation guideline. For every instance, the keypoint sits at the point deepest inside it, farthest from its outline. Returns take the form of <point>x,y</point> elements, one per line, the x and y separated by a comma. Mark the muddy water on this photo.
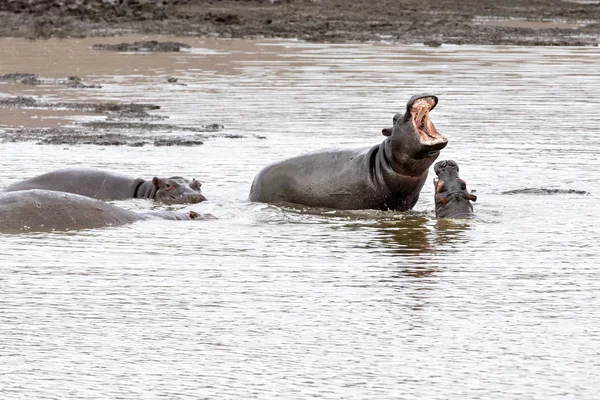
<point>275,303</point>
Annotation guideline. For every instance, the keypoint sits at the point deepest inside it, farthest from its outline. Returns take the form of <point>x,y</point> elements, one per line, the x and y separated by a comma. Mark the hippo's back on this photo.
<point>93,183</point>
<point>44,210</point>
<point>329,178</point>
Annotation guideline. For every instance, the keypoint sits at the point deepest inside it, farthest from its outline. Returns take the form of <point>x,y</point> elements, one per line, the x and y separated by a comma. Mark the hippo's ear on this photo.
<point>195,184</point>
<point>158,183</point>
<point>471,197</point>
<point>386,131</point>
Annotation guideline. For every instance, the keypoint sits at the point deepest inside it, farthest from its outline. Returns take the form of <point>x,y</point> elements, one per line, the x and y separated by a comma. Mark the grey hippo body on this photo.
<point>452,200</point>
<point>387,176</point>
<point>47,210</point>
<point>103,185</point>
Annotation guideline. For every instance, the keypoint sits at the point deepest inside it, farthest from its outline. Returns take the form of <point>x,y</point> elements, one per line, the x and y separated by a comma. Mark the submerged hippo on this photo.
<point>387,176</point>
<point>47,210</point>
<point>104,185</point>
<point>452,200</point>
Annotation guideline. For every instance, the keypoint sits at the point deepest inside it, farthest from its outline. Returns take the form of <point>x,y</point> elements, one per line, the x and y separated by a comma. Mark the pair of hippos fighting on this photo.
<point>387,176</point>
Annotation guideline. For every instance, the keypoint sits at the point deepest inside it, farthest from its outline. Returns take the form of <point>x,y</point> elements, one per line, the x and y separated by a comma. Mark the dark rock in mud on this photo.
<point>177,142</point>
<point>144,126</point>
<point>175,81</point>
<point>20,77</point>
<point>19,102</point>
<point>222,18</point>
<point>545,191</point>
<point>113,107</point>
<point>146,46</point>
<point>76,82</point>
<point>30,102</point>
<point>33,79</point>
<point>70,136</point>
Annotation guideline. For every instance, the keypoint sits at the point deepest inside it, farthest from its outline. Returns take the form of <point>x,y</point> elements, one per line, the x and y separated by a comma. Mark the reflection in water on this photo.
<point>417,235</point>
<point>451,234</point>
<point>409,236</point>
<point>419,247</point>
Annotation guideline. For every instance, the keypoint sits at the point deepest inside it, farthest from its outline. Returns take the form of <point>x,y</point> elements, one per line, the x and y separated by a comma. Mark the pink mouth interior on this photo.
<point>419,112</point>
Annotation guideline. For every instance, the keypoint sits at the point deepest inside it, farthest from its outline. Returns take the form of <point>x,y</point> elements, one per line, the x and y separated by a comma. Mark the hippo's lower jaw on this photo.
<point>183,199</point>
<point>428,136</point>
<point>453,206</point>
<point>456,196</point>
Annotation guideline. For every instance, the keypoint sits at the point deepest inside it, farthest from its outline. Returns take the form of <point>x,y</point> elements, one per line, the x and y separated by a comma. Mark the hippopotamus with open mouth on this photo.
<point>387,176</point>
<point>452,200</point>
<point>37,210</point>
<point>104,185</point>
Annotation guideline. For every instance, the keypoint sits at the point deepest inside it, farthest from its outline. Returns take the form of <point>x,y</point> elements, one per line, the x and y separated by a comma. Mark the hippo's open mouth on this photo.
<point>444,194</point>
<point>419,111</point>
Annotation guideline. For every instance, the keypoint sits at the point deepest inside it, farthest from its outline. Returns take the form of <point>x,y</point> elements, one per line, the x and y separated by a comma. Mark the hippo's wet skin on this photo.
<point>104,185</point>
<point>47,210</point>
<point>452,200</point>
<point>389,175</point>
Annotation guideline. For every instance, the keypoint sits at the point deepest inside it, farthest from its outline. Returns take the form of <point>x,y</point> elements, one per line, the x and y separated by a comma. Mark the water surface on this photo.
<point>275,303</point>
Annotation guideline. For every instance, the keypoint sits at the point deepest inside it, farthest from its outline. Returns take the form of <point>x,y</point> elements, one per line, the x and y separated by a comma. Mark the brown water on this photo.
<point>272,303</point>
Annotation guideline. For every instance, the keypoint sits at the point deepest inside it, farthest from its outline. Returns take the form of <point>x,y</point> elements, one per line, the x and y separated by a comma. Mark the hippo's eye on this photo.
<point>168,186</point>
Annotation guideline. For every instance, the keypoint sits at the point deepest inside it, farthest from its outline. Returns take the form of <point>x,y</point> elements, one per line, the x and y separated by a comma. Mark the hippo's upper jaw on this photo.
<point>417,110</point>
<point>413,133</point>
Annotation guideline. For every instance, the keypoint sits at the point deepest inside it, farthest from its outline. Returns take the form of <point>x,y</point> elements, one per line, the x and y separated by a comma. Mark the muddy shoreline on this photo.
<point>433,23</point>
<point>483,22</point>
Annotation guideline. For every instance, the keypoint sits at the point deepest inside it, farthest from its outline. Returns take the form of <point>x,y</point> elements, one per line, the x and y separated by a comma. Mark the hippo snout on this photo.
<point>445,165</point>
<point>189,198</point>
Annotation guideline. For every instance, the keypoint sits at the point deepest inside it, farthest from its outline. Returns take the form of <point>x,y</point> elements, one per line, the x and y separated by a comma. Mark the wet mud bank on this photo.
<point>34,79</point>
<point>512,22</point>
<point>106,137</point>
<point>125,124</point>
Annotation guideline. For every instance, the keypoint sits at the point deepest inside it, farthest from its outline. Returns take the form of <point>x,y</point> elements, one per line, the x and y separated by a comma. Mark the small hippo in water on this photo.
<point>387,176</point>
<point>104,185</point>
<point>37,210</point>
<point>452,200</point>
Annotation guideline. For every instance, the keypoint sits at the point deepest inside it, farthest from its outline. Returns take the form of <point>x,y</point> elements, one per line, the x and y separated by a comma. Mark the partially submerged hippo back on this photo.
<point>104,185</point>
<point>452,200</point>
<point>389,175</point>
<point>47,210</point>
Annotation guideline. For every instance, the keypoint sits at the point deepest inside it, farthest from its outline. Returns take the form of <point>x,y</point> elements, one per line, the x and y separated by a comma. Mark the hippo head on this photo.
<point>452,200</point>
<point>177,190</point>
<point>413,133</point>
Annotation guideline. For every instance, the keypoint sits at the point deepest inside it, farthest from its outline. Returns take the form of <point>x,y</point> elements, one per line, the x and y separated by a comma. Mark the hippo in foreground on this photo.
<point>47,210</point>
<point>387,176</point>
<point>452,200</point>
<point>104,185</point>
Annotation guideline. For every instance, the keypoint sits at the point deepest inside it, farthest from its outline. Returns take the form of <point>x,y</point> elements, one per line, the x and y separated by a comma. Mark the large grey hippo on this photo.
<point>47,210</point>
<point>452,200</point>
<point>104,185</point>
<point>387,176</point>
